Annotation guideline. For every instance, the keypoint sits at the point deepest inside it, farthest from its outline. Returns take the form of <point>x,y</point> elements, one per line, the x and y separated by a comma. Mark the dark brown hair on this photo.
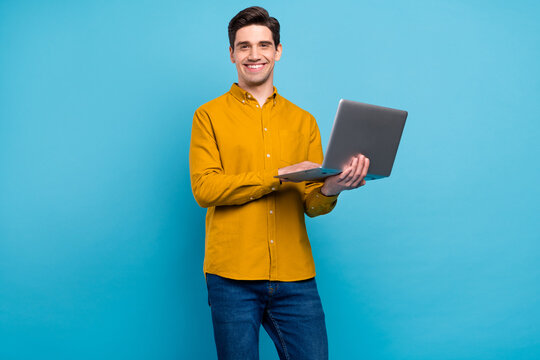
<point>254,15</point>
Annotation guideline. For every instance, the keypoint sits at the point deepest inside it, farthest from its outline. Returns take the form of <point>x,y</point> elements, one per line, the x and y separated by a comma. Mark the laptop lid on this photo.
<point>360,128</point>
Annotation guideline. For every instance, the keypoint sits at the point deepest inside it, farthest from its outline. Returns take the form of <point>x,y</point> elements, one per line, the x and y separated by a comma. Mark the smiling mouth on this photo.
<point>254,67</point>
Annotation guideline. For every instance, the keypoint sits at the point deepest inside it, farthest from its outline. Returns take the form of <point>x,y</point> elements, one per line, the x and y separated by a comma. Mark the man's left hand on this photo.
<point>352,177</point>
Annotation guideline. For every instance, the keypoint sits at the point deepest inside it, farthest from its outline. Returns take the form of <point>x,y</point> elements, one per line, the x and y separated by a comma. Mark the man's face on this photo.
<point>254,54</point>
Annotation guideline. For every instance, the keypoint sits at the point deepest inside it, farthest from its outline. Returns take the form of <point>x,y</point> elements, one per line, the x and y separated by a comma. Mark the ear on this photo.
<point>279,49</point>
<point>231,51</point>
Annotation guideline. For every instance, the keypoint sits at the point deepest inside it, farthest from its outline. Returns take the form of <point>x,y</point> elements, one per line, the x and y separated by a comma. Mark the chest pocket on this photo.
<point>294,147</point>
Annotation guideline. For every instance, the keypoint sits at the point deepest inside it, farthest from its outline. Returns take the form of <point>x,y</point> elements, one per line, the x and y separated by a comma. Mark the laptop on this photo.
<point>359,128</point>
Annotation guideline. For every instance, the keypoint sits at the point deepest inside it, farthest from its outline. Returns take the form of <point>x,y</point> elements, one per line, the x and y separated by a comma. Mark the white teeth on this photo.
<point>254,66</point>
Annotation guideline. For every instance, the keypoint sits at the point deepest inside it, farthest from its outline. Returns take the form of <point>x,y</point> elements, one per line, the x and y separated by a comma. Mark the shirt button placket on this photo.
<point>271,203</point>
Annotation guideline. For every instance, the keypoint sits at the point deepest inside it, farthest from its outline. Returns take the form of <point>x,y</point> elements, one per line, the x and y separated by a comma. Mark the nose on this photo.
<point>253,54</point>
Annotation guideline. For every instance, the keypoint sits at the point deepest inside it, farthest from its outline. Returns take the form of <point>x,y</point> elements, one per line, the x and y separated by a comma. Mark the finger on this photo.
<point>311,164</point>
<point>344,174</point>
<point>366,168</point>
<point>348,180</point>
<point>350,162</point>
<point>306,165</point>
<point>353,175</point>
<point>362,172</point>
<point>352,168</point>
<point>359,170</point>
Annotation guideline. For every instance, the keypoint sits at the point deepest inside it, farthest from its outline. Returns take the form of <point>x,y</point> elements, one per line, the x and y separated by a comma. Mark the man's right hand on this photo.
<point>304,165</point>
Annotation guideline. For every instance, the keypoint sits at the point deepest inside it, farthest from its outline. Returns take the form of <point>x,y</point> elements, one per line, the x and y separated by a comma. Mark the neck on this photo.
<point>260,92</point>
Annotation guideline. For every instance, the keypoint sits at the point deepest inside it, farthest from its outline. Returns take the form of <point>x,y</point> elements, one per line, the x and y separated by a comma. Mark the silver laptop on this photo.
<point>359,128</point>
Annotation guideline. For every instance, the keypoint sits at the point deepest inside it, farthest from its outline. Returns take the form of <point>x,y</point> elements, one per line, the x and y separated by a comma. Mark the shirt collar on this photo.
<point>244,96</point>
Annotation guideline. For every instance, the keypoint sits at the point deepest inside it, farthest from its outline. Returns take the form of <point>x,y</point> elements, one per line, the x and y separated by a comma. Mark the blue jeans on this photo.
<point>290,312</point>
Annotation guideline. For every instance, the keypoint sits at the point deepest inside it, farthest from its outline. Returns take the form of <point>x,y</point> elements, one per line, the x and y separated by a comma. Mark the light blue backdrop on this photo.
<point>101,242</point>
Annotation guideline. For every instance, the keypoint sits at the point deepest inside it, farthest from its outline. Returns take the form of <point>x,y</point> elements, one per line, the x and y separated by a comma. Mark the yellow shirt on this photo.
<point>255,227</point>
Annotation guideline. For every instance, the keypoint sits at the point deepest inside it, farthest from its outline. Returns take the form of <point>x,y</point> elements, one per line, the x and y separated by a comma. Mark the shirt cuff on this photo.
<point>319,204</point>
<point>324,198</point>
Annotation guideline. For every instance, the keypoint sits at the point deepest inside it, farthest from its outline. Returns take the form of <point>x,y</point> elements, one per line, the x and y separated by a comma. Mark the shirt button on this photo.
<point>271,212</point>
<point>267,155</point>
<point>256,105</point>
<point>273,188</point>
<point>251,198</point>
<point>265,129</point>
<point>312,208</point>
<point>271,241</point>
<point>249,96</point>
<point>243,101</point>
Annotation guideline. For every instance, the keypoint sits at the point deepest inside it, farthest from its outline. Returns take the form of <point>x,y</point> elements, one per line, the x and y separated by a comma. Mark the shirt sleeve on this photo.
<point>315,203</point>
<point>210,186</point>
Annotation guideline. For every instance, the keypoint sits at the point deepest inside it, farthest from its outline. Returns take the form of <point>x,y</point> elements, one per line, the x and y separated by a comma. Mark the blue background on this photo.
<point>101,241</point>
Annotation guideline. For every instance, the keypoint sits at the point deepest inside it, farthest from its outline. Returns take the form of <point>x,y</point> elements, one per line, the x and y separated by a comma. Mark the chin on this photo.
<point>256,81</point>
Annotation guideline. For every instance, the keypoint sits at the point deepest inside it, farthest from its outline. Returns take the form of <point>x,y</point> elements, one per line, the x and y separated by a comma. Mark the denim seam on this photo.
<point>279,334</point>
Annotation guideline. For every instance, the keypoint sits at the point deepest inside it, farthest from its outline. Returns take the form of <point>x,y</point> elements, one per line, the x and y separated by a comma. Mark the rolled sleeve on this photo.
<point>318,204</point>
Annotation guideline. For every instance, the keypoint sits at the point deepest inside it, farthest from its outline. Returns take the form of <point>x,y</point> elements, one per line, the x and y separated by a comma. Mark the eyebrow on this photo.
<point>265,42</point>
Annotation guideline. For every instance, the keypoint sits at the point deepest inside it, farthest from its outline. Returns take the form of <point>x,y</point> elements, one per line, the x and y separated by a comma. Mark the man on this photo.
<point>258,262</point>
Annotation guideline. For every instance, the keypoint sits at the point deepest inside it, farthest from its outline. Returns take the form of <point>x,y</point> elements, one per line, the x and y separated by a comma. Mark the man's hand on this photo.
<point>352,177</point>
<point>304,165</point>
